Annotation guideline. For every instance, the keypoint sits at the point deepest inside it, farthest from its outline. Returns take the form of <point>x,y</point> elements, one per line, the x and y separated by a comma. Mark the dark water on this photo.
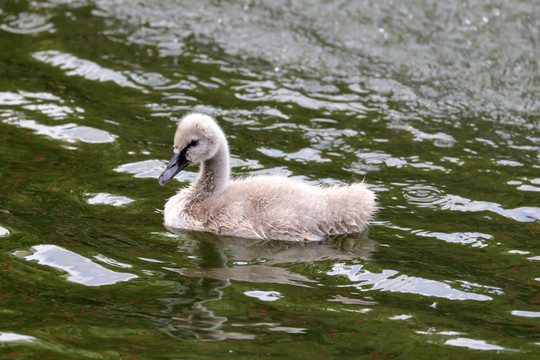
<point>435,104</point>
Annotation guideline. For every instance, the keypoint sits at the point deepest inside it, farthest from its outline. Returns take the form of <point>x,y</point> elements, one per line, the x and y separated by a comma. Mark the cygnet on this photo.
<point>258,207</point>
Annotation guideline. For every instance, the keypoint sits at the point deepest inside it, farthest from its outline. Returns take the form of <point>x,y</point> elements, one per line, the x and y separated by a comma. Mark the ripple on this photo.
<point>458,203</point>
<point>24,97</point>
<point>9,98</point>
<point>256,274</point>
<point>475,239</point>
<point>108,199</point>
<point>27,23</point>
<point>68,132</point>
<point>422,195</point>
<point>13,337</point>
<point>288,329</point>
<point>86,134</point>
<point>52,110</point>
<point>153,80</point>
<point>3,232</point>
<point>303,155</point>
<point>395,89</point>
<point>245,164</point>
<point>143,169</point>
<point>80,269</point>
<point>371,161</point>
<point>508,163</point>
<point>265,91</point>
<point>43,102</point>
<point>85,68</point>
<point>327,138</point>
<point>107,260</point>
<point>386,281</point>
<point>528,188</point>
<point>439,139</point>
<point>264,295</point>
<point>374,161</point>
<point>519,252</point>
<point>368,45</point>
<point>350,301</point>
<point>529,314</point>
<point>473,344</point>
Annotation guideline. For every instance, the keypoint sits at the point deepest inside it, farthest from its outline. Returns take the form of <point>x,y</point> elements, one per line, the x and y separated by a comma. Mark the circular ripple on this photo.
<point>422,195</point>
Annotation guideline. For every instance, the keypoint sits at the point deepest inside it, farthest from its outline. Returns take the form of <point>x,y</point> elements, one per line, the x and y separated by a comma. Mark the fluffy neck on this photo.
<point>214,176</point>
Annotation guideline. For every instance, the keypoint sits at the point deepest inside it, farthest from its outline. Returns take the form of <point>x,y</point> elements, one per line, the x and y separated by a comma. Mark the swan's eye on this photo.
<point>193,143</point>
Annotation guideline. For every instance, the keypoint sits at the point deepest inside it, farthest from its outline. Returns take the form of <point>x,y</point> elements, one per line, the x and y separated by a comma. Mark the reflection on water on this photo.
<point>387,280</point>
<point>112,262</point>
<point>67,132</point>
<point>80,269</point>
<point>530,314</point>
<point>26,23</point>
<point>430,196</point>
<point>473,239</point>
<point>143,169</point>
<point>84,68</point>
<point>521,214</point>
<point>6,337</point>
<point>223,260</point>
<point>242,251</point>
<point>45,103</point>
<point>3,231</point>
<point>51,106</point>
<point>108,199</point>
<point>264,295</point>
<point>473,344</point>
<point>255,261</point>
<point>196,321</point>
<point>250,273</point>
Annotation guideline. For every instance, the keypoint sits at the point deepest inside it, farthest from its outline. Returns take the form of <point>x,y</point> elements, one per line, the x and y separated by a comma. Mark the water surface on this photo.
<point>435,106</point>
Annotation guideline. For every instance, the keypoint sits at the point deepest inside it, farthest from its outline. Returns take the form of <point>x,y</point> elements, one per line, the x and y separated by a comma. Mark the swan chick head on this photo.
<point>197,139</point>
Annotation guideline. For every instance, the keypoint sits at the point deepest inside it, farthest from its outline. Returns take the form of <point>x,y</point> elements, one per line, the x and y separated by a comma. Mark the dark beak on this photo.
<point>177,164</point>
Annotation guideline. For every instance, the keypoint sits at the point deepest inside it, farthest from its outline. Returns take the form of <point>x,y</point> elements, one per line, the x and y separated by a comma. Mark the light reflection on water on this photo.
<point>473,344</point>
<point>45,103</point>
<point>529,314</point>
<point>50,106</point>
<point>521,214</point>
<point>85,68</point>
<point>388,280</point>
<point>3,231</point>
<point>431,197</point>
<point>80,269</point>
<point>108,199</point>
<point>6,337</point>
<point>26,23</point>
<point>473,239</point>
<point>68,132</point>
<point>264,295</point>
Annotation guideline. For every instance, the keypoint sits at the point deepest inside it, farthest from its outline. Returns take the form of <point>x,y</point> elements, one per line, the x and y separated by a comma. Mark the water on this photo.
<point>435,105</point>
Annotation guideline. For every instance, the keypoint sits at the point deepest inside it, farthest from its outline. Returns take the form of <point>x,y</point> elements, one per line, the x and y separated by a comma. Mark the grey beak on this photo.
<point>178,163</point>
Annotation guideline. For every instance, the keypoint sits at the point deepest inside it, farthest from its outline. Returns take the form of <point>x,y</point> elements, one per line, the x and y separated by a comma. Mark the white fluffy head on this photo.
<point>200,135</point>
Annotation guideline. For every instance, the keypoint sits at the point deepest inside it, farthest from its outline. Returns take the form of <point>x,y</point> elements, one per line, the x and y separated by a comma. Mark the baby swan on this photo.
<point>259,207</point>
